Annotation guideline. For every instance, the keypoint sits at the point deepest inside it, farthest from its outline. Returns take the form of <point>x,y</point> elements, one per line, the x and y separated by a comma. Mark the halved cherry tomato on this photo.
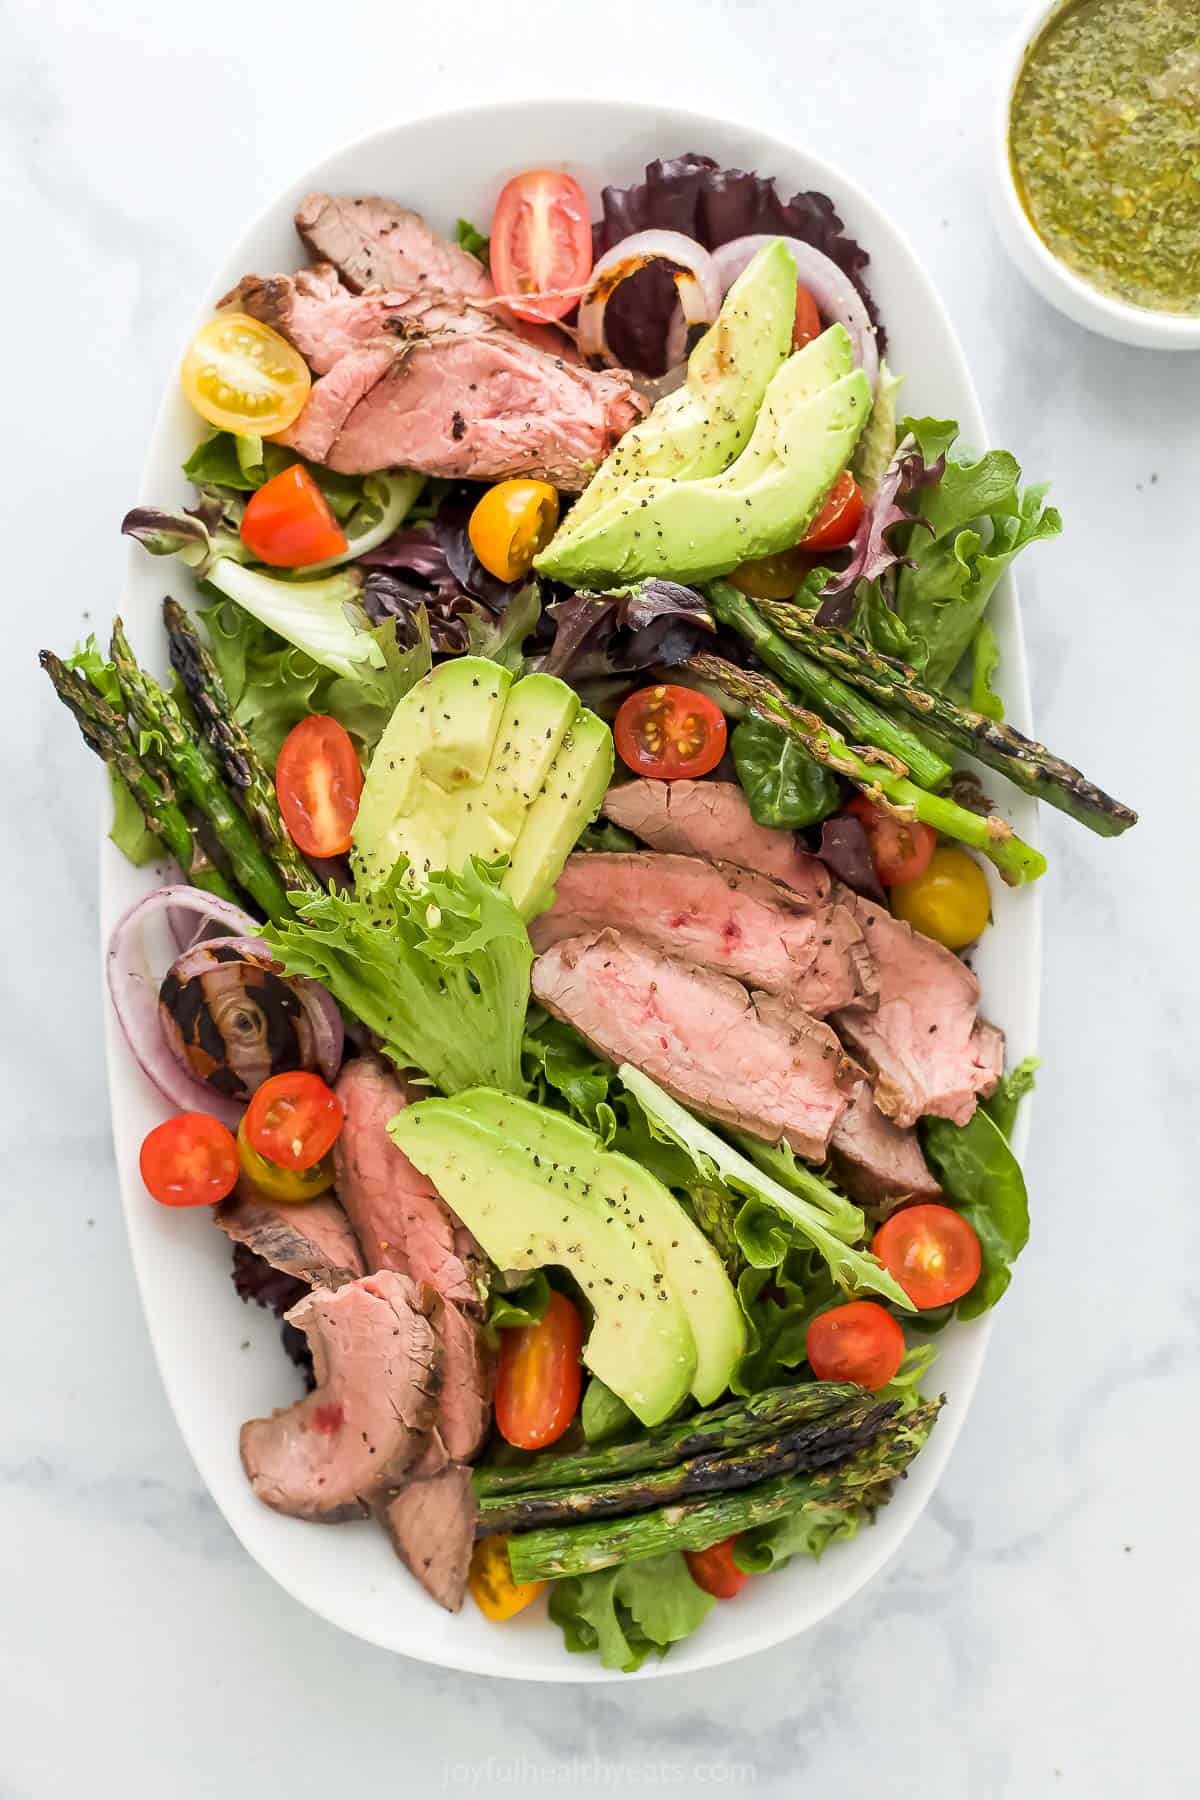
<point>538,1376</point>
<point>493,1589</point>
<point>541,243</point>
<point>949,901</point>
<point>772,577</point>
<point>190,1160</point>
<point>715,1571</point>
<point>857,1342</point>
<point>512,522</point>
<point>808,319</point>
<point>669,733</point>
<point>287,522</point>
<point>293,1119</point>
<point>319,783</point>
<point>282,1184</point>
<point>242,376</point>
<point>900,849</point>
<point>837,520</point>
<point>933,1252</point>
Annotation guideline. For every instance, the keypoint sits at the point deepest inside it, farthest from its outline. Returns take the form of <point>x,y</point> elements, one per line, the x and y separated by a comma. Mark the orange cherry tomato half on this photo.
<point>510,524</point>
<point>293,1119</point>
<point>808,319</point>
<point>715,1571</point>
<point>541,243</point>
<point>287,522</point>
<point>190,1160</point>
<point>538,1376</point>
<point>901,850</point>
<point>837,520</point>
<point>319,783</point>
<point>858,1342</point>
<point>669,733</point>
<point>932,1251</point>
<point>772,577</point>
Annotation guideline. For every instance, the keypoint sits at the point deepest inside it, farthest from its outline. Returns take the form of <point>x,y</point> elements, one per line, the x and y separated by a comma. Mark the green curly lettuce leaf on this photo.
<point>629,1612</point>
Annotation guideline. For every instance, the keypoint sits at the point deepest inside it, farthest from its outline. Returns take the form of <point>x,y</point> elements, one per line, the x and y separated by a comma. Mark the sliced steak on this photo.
<point>482,406</point>
<point>372,242</point>
<point>712,819</point>
<point>431,1524</point>
<point>877,1163</point>
<point>378,1365</point>
<point>922,1041</point>
<point>325,321</point>
<point>401,1220</point>
<point>311,1240</point>
<point>335,396</point>
<point>720,916</point>
<point>750,1061</point>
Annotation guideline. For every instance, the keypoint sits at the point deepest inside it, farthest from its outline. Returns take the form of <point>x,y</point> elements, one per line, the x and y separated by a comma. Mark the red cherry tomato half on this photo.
<point>808,319</point>
<point>190,1160</point>
<point>287,522</point>
<point>837,520</point>
<point>858,1342</point>
<point>900,850</point>
<point>293,1119</point>
<point>932,1251</point>
<point>541,243</point>
<point>715,1571</point>
<point>538,1376</point>
<point>670,733</point>
<point>319,783</point>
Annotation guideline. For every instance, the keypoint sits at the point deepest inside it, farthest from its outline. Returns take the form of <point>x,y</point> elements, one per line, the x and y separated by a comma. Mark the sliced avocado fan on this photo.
<point>475,763</point>
<point>810,420</point>
<point>700,428</point>
<point>538,1191</point>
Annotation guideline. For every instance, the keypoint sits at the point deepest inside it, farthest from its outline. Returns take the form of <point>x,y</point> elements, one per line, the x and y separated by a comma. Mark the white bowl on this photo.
<point>451,165</point>
<point>1077,299</point>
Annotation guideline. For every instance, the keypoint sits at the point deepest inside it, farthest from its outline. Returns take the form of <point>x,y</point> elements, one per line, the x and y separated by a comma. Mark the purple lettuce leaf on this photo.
<point>870,552</point>
<point>846,853</point>
<point>256,1280</point>
<point>692,194</point>
<point>655,624</point>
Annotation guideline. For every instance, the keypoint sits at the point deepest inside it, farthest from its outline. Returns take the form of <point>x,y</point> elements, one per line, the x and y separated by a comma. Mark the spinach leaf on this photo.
<point>603,1414</point>
<point>783,786</point>
<point>1011,1089</point>
<point>526,1305</point>
<point>983,1179</point>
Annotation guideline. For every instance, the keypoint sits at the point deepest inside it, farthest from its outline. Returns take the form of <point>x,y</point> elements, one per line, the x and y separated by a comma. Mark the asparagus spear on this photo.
<point>106,732</point>
<point>696,1524</point>
<point>1027,764</point>
<point>717,1430</point>
<point>879,776</point>
<point>809,1446</point>
<point>838,702</point>
<point>198,773</point>
<point>243,767</point>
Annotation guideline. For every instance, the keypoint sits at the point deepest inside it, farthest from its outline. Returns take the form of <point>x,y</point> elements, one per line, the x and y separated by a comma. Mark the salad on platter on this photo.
<point>573,805</point>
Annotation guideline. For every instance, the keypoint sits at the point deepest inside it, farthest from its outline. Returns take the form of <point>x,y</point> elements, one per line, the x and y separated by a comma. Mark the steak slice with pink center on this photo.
<point>713,819</point>
<point>310,1239</point>
<point>720,916</point>
<point>753,1062</point>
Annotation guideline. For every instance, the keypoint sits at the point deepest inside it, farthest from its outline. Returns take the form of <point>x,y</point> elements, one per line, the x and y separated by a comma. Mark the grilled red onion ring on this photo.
<point>692,268</point>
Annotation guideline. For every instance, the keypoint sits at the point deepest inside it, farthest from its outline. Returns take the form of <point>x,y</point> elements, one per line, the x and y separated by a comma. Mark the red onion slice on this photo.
<point>693,271</point>
<point>837,298</point>
<point>133,985</point>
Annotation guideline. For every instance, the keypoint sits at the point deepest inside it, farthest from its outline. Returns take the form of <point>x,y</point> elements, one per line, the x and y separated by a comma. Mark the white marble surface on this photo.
<point>1033,1639</point>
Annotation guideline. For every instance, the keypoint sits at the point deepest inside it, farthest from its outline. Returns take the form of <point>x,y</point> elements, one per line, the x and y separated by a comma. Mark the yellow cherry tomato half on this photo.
<point>775,577</point>
<point>282,1184</point>
<point>242,376</point>
<point>493,1589</point>
<point>513,521</point>
<point>949,902</point>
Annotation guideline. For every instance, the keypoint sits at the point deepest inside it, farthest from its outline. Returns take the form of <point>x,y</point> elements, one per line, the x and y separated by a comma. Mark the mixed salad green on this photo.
<point>398,700</point>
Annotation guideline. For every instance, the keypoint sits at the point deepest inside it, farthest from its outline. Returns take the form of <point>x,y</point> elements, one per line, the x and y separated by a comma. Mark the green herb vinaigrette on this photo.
<point>1104,139</point>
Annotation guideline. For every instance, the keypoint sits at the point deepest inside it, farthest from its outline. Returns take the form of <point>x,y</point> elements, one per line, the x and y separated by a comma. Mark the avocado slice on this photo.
<point>471,761</point>
<point>532,1209</point>
<point>683,1254</point>
<point>810,420</point>
<point>571,794</point>
<point>699,429</point>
